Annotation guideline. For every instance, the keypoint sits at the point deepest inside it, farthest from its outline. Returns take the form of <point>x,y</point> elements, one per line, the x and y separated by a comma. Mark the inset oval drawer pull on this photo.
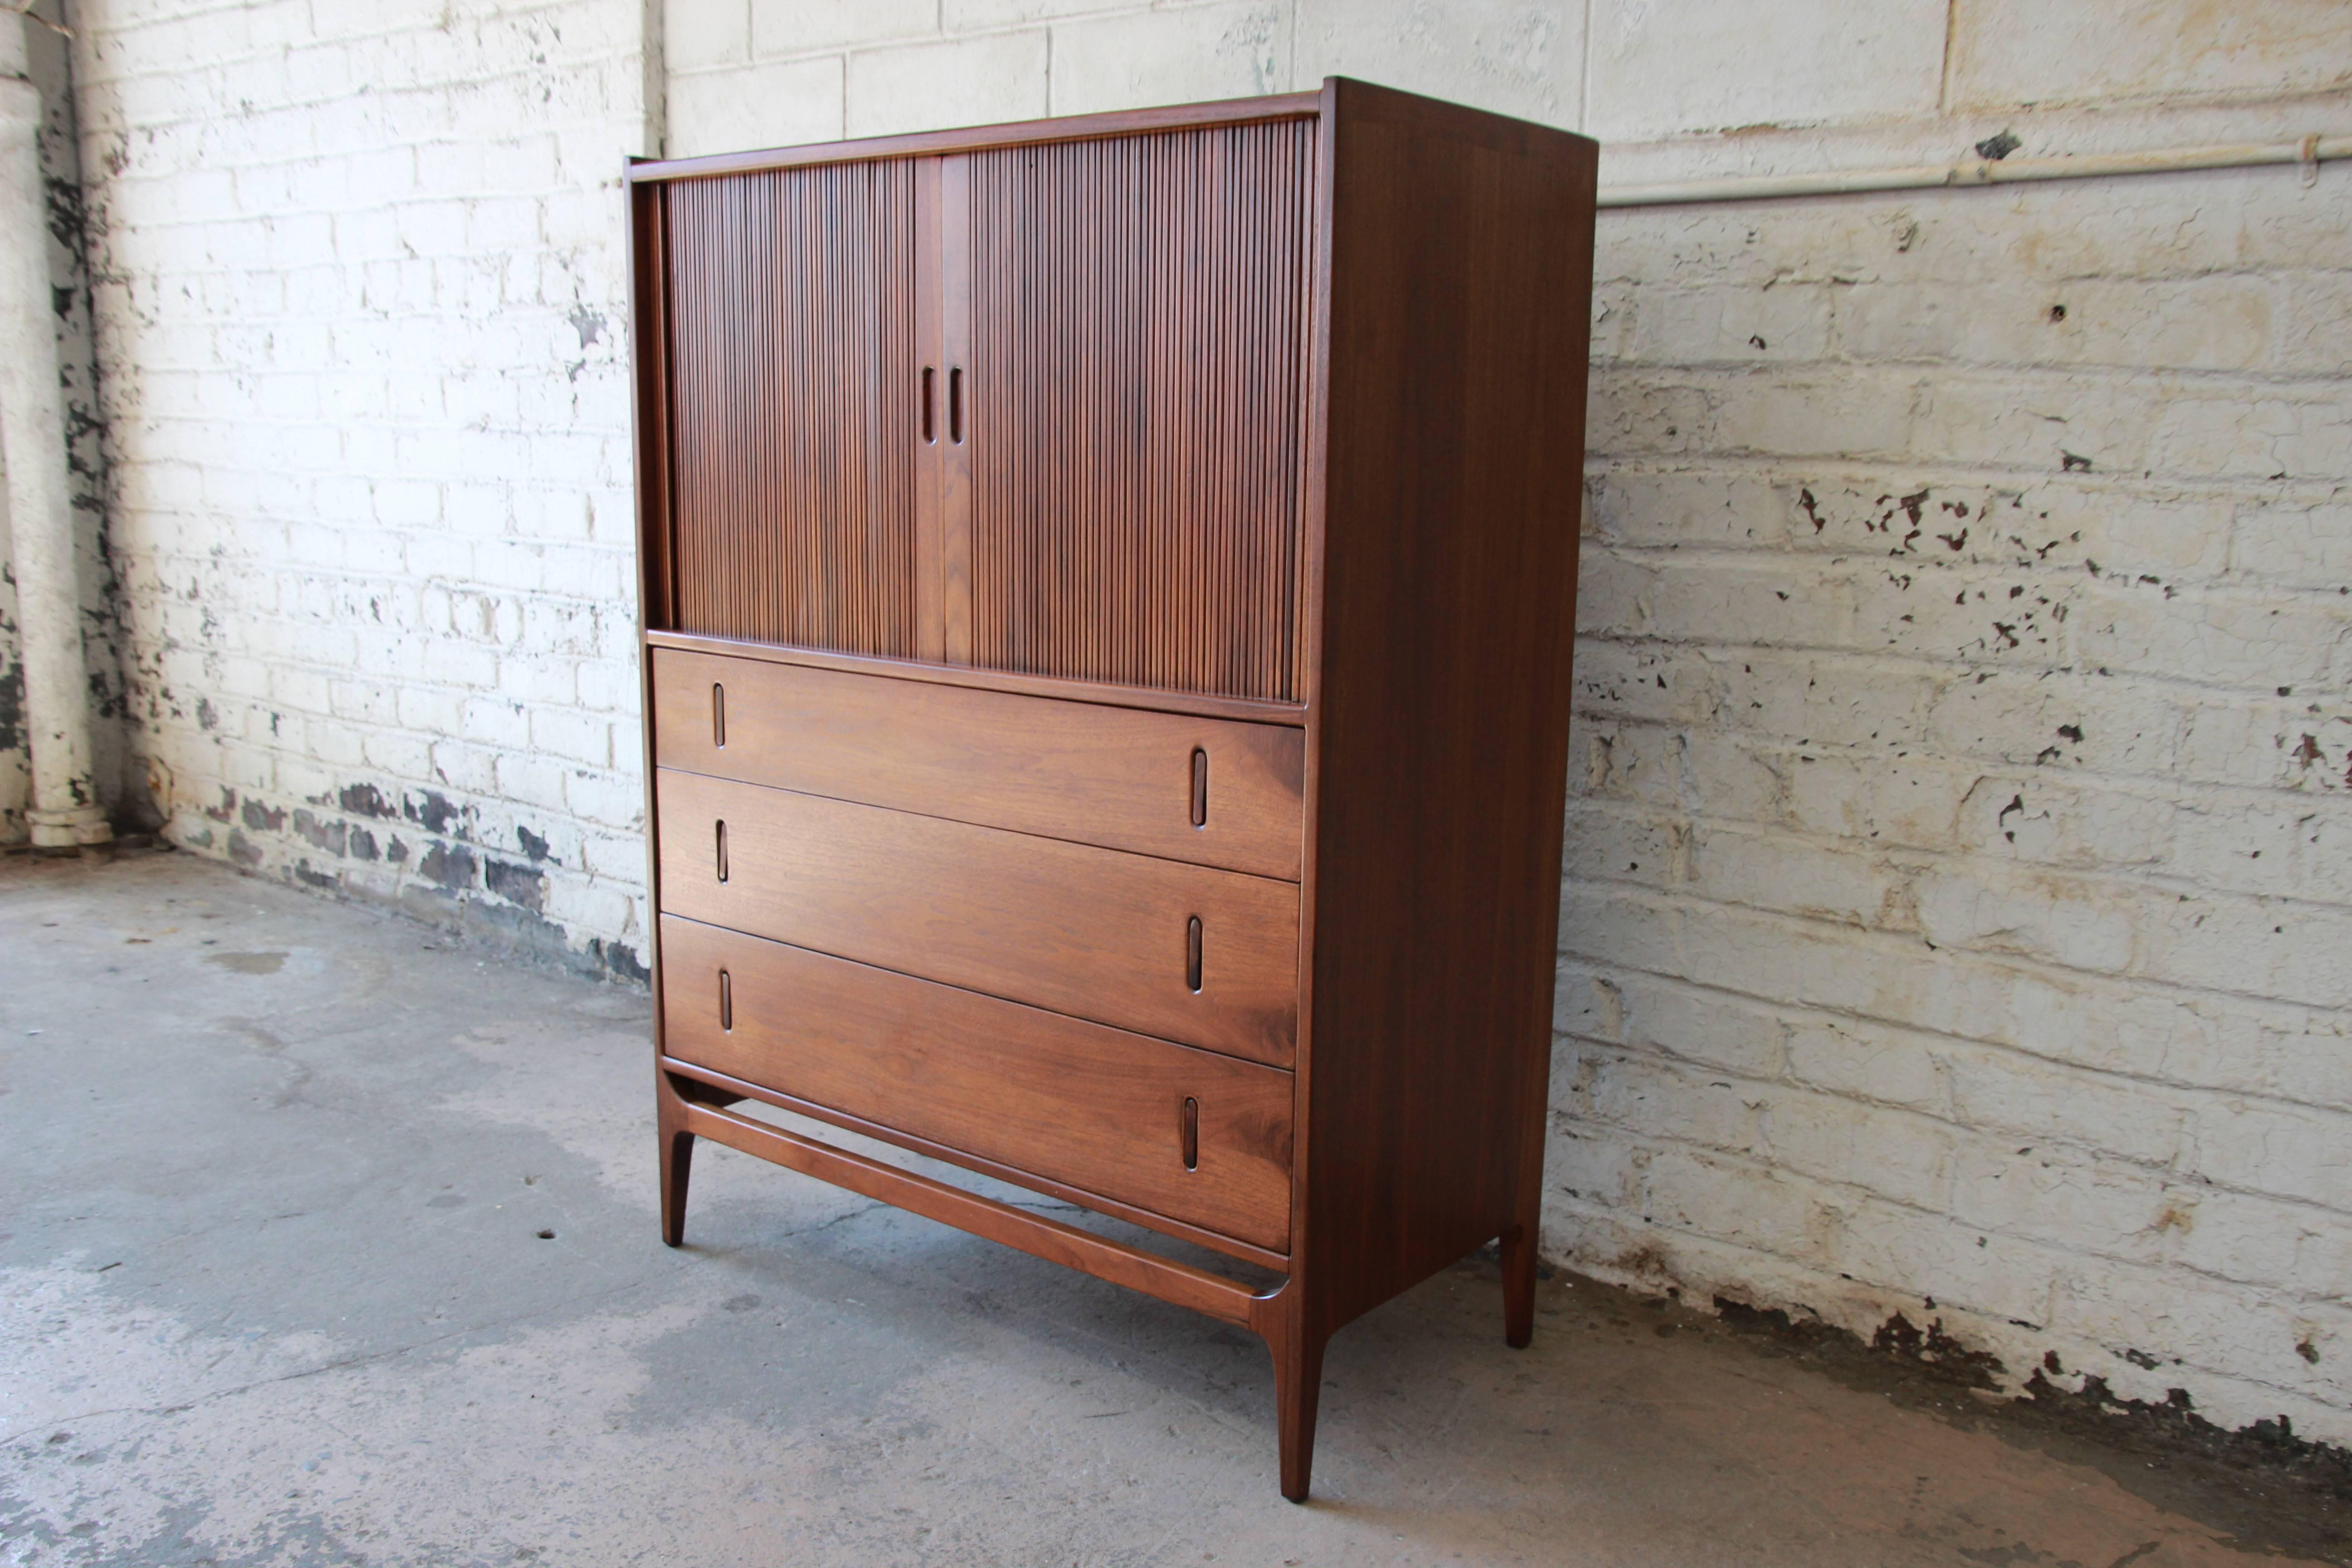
<point>1192,954</point>
<point>723,849</point>
<point>1192,1128</point>
<point>1200,786</point>
<point>719,715</point>
<point>726,1002</point>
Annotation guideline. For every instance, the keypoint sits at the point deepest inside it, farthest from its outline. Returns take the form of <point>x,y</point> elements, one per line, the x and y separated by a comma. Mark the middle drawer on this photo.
<point>1188,952</point>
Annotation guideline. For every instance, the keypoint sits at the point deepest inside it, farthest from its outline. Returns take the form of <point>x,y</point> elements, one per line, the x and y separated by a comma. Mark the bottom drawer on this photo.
<point>1082,1104</point>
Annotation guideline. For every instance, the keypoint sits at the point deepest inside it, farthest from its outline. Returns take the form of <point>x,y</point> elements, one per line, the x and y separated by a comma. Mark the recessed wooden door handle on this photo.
<point>1191,1133</point>
<point>955,404</point>
<point>930,401</point>
<point>1200,786</point>
<point>718,715</point>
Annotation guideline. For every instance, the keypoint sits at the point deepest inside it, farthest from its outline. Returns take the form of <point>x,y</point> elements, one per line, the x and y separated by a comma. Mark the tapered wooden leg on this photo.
<point>1298,1385</point>
<point>1519,1286</point>
<point>676,1164</point>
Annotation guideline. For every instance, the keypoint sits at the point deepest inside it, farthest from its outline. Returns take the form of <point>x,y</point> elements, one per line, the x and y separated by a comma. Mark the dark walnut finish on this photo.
<point>1107,594</point>
<point>1102,1111</point>
<point>1121,778</point>
<point>1186,953</point>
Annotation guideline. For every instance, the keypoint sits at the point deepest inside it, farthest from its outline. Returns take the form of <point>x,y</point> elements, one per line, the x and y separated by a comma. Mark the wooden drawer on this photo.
<point>1092,932</point>
<point>1119,777</point>
<point>1093,1108</point>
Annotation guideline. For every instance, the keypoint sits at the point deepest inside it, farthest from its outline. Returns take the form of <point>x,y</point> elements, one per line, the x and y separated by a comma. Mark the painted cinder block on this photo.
<point>2006,52</point>
<point>1190,54</point>
<point>1512,56</point>
<point>1682,65</point>
<point>804,26</point>
<point>963,82</point>
<point>776,105</point>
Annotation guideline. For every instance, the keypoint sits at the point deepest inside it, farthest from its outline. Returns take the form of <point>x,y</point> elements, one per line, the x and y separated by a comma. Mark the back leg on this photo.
<point>1519,1285</point>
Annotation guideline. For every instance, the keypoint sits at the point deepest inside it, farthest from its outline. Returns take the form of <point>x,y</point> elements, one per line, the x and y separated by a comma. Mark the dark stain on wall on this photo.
<point>520,885</point>
<point>621,959</point>
<point>334,837</point>
<point>450,865</point>
<point>366,800</point>
<point>435,813</point>
<point>501,902</point>
<point>2264,1487</point>
<point>12,705</point>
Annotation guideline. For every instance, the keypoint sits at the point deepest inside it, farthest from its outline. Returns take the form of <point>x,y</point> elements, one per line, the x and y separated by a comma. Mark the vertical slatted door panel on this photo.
<point>794,416</point>
<point>1139,306</point>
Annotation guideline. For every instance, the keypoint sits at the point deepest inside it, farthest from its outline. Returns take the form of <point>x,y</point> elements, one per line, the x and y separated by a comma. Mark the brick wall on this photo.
<point>1962,795</point>
<point>361,276</point>
<point>1959,867</point>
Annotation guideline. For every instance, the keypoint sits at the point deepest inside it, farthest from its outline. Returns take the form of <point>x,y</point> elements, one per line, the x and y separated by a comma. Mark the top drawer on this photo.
<point>1119,777</point>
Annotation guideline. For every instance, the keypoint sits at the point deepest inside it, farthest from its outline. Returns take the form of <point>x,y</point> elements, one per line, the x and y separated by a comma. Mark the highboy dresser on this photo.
<point>1108,590</point>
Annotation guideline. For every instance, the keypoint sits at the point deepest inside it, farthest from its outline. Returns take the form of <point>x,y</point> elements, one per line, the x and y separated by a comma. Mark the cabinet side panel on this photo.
<point>1460,289</point>
<point>1138,317</point>
<point>795,413</point>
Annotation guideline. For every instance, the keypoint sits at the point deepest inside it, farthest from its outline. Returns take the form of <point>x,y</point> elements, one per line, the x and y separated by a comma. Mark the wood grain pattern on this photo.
<point>1137,359</point>
<point>1227,1301</point>
<point>689,1078</point>
<point>794,405</point>
<point>1095,1108</point>
<point>1095,933</point>
<point>1271,414</point>
<point>1121,778</point>
<point>1455,386</point>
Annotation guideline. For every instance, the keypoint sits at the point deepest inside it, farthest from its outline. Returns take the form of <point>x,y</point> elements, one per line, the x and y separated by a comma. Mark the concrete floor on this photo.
<point>277,1286</point>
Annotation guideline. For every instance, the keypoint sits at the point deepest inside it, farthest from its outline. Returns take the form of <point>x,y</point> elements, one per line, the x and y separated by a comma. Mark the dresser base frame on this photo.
<point>688,1109</point>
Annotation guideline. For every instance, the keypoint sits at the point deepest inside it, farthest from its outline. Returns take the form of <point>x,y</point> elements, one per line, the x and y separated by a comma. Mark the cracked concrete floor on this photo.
<point>322,1242</point>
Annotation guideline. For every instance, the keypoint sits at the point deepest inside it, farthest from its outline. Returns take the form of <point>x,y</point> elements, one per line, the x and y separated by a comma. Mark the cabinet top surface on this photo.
<point>1068,128</point>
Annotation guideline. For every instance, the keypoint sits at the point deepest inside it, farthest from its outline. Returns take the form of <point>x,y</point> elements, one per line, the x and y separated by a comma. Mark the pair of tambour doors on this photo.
<point>1038,408</point>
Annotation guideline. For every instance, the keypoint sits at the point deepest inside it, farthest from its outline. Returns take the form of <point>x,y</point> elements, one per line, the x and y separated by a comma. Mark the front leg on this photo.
<point>676,1158</point>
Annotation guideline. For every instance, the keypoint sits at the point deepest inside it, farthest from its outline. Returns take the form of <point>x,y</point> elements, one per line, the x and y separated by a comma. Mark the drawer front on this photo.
<point>1091,1107</point>
<point>1092,932</point>
<point>1114,776</point>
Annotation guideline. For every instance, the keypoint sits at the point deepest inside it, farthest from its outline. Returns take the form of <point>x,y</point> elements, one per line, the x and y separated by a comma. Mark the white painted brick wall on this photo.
<point>361,286</point>
<point>1954,908</point>
<point>1956,891</point>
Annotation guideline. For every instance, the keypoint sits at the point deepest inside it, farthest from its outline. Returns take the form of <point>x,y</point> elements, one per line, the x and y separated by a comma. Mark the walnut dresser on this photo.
<point>1107,588</point>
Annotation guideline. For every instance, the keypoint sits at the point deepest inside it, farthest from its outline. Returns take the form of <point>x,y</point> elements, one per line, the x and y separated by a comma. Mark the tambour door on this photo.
<point>790,306</point>
<point>1134,337</point>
